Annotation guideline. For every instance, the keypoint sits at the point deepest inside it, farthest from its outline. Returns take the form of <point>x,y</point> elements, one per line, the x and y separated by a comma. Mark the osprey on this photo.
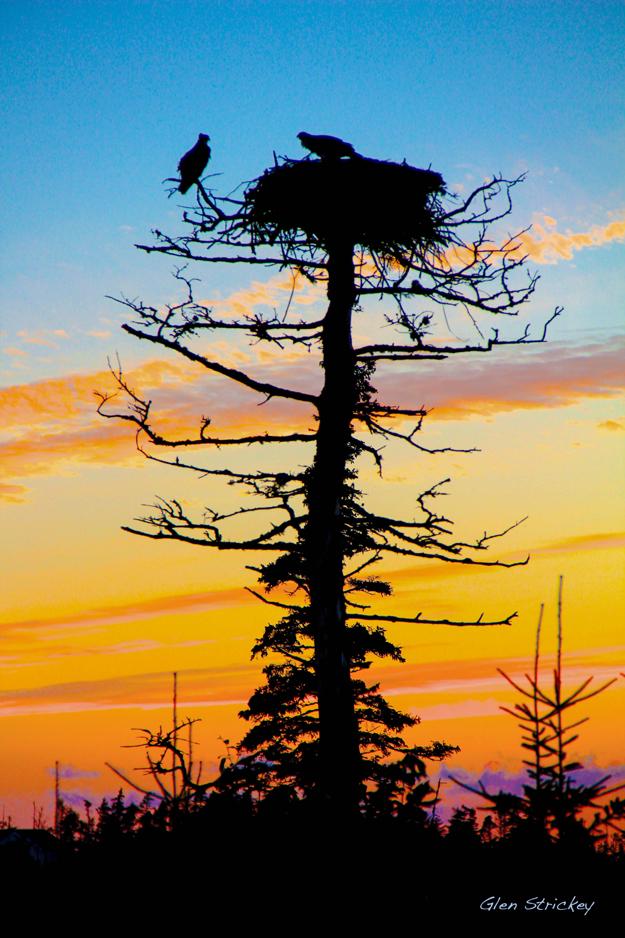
<point>325,146</point>
<point>193,163</point>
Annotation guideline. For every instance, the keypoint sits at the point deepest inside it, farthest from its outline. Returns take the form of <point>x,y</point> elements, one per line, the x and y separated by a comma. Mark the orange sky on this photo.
<point>94,621</point>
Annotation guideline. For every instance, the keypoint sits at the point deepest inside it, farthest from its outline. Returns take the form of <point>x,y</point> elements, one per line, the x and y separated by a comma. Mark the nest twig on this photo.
<point>382,206</point>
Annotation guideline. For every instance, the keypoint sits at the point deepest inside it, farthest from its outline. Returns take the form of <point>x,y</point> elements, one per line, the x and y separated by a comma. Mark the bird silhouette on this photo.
<point>325,146</point>
<point>193,163</point>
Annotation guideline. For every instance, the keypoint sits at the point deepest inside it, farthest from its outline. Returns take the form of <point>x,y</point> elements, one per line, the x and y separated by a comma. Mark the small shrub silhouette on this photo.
<point>554,806</point>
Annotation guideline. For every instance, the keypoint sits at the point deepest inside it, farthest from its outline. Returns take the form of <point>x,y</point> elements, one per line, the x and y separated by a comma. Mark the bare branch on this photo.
<point>270,390</point>
<point>507,620</point>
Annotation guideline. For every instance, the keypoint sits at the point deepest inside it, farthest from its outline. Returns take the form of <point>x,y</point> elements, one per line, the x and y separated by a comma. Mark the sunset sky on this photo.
<point>99,100</point>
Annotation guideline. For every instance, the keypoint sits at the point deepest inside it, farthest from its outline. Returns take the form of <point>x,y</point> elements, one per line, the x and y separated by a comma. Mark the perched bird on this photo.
<point>325,146</point>
<point>193,163</point>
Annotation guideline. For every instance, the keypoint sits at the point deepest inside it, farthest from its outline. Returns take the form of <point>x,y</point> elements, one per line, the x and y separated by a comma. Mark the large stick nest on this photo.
<point>382,206</point>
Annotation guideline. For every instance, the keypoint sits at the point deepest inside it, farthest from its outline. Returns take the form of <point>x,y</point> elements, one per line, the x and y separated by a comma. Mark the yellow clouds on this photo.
<point>57,399</point>
<point>544,244</point>
<point>51,423</point>
<point>50,453</point>
<point>12,493</point>
<point>276,293</point>
<point>121,655</point>
<point>614,426</point>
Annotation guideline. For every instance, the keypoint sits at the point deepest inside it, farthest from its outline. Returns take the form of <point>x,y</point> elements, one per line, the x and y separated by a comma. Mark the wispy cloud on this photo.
<point>52,423</point>
<point>227,686</point>
<point>206,687</point>
<point>99,333</point>
<point>45,337</point>
<point>13,493</point>
<point>474,677</point>
<point>41,403</point>
<point>70,772</point>
<point>544,244</point>
<point>495,778</point>
<point>614,426</point>
<point>140,609</point>
<point>609,540</point>
<point>276,293</point>
<point>414,574</point>
<point>553,376</point>
<point>461,709</point>
<point>49,453</point>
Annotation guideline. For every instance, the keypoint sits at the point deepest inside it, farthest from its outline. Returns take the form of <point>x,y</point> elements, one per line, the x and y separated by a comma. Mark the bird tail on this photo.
<point>184,187</point>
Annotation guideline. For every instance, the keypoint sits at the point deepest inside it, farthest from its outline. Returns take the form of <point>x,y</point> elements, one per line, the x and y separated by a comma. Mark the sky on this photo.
<point>98,101</point>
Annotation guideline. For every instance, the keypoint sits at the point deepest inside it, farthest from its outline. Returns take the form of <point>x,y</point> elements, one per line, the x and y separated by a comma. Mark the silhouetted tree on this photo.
<point>462,830</point>
<point>178,789</point>
<point>71,827</point>
<point>554,806</point>
<point>362,228</point>
<point>487,830</point>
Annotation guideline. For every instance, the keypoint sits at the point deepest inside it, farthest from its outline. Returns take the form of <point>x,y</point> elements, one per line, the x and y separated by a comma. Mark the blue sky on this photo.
<point>100,99</point>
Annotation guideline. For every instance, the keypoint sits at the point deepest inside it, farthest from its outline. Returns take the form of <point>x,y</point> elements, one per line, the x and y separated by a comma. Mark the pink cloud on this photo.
<point>139,609</point>
<point>612,540</point>
<point>53,422</point>
<point>556,375</point>
<point>203,687</point>
<point>12,493</point>
<point>42,337</point>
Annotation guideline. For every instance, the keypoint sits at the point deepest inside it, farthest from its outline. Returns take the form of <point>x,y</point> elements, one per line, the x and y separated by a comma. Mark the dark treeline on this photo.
<point>405,862</point>
<point>250,836</point>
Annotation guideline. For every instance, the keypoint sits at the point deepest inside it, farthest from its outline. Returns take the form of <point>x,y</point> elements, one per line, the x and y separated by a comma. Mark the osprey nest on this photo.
<point>376,204</point>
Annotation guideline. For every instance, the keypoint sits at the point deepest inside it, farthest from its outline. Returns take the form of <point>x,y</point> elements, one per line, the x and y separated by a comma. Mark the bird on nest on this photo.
<point>193,163</point>
<point>325,146</point>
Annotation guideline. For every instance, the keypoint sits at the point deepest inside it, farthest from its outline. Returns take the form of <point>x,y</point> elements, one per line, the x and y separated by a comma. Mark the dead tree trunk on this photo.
<point>339,768</point>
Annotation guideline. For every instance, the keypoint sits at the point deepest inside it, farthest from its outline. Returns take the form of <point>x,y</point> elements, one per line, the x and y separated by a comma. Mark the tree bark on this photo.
<point>339,765</point>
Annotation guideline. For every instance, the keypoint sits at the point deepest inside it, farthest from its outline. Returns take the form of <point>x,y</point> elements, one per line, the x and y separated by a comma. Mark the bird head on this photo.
<point>203,137</point>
